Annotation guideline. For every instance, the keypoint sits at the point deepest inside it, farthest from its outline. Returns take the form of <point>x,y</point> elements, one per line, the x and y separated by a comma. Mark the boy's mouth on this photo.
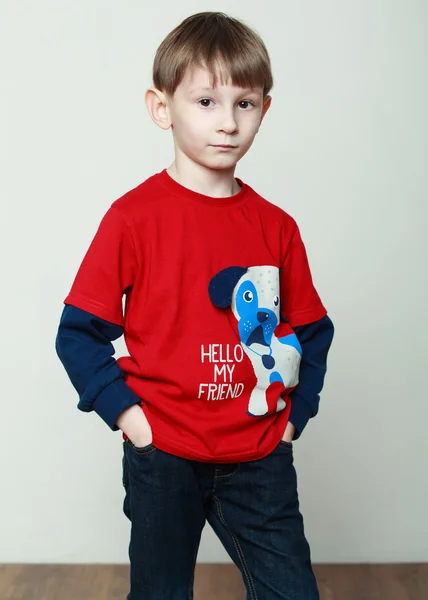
<point>225,146</point>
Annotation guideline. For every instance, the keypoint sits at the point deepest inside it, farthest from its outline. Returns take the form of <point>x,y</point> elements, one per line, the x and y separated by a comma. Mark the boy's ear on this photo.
<point>157,106</point>
<point>266,106</point>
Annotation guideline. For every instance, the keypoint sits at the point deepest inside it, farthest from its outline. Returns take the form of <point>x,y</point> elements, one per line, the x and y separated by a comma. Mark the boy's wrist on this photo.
<point>290,430</point>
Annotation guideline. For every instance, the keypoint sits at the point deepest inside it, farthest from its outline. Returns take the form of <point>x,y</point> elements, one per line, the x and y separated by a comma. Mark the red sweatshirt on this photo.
<point>213,288</point>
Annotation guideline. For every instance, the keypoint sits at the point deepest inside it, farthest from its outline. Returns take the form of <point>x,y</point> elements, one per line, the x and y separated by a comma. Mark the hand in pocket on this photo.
<point>289,433</point>
<point>134,424</point>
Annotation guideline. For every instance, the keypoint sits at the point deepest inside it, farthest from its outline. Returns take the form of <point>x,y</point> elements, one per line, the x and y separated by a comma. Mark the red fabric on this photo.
<point>159,246</point>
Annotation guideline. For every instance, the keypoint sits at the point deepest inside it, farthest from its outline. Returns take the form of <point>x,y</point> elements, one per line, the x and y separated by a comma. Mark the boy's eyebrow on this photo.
<point>210,89</point>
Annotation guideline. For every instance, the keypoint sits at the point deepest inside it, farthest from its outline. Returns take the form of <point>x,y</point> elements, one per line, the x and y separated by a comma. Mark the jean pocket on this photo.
<point>286,444</point>
<point>140,449</point>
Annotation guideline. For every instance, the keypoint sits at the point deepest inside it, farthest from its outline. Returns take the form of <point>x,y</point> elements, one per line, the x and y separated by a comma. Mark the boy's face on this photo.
<point>203,119</point>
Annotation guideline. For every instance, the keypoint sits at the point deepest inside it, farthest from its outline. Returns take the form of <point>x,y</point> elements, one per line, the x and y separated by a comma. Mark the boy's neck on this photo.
<point>217,183</point>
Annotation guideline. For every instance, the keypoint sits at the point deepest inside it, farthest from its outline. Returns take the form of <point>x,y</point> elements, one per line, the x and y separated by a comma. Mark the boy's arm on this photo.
<point>83,344</point>
<point>315,340</point>
<point>302,308</point>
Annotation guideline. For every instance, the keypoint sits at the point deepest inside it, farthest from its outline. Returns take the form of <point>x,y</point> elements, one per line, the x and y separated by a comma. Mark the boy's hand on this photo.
<point>134,424</point>
<point>289,432</point>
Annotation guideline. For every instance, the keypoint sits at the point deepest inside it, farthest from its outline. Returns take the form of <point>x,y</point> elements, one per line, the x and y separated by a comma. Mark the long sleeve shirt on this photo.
<point>226,333</point>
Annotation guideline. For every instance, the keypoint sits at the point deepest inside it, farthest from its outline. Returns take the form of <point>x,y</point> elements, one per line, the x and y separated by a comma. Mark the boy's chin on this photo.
<point>223,167</point>
<point>221,163</point>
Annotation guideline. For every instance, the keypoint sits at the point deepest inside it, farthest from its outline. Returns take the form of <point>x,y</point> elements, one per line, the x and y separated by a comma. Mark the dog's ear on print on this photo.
<point>221,286</point>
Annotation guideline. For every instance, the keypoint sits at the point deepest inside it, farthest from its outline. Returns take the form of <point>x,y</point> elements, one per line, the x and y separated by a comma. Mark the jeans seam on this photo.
<point>192,583</point>
<point>238,549</point>
<point>227,474</point>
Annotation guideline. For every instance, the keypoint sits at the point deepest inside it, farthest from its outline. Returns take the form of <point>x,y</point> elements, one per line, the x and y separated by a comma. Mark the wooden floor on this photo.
<point>212,582</point>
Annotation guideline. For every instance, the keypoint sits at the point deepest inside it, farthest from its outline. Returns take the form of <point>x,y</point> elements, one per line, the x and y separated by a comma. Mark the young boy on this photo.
<point>227,336</point>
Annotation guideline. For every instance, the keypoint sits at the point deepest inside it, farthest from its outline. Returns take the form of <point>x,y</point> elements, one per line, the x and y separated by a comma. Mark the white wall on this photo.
<point>343,149</point>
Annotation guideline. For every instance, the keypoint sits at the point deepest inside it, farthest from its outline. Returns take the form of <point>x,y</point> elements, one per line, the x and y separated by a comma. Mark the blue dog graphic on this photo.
<point>253,295</point>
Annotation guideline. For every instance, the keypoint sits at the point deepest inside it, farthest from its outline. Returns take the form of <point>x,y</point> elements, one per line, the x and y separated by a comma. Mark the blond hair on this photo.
<point>224,45</point>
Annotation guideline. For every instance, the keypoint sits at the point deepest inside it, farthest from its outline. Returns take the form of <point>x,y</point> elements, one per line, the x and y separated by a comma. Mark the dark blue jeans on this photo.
<point>253,508</point>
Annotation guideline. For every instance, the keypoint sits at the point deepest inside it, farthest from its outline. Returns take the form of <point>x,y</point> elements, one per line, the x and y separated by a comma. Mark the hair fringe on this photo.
<point>226,46</point>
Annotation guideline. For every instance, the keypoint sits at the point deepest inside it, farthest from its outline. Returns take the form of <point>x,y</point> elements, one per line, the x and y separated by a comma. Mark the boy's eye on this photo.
<point>205,102</point>
<point>248,102</point>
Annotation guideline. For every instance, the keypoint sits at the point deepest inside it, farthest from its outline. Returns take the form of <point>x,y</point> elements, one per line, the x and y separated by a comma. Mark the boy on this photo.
<point>227,336</point>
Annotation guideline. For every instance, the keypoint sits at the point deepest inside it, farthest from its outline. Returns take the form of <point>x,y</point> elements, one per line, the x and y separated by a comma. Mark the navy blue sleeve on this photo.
<point>315,340</point>
<point>83,344</point>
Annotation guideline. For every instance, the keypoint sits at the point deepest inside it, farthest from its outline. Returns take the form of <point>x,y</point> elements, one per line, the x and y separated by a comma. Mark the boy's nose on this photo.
<point>228,124</point>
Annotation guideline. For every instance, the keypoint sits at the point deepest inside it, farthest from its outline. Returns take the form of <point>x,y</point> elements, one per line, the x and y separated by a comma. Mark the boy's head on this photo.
<point>212,78</point>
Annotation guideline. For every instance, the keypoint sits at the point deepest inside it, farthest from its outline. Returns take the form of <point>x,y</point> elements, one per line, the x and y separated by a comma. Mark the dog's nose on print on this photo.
<point>262,316</point>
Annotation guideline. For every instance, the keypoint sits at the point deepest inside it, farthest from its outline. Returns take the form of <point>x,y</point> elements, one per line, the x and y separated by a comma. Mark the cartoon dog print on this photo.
<point>253,295</point>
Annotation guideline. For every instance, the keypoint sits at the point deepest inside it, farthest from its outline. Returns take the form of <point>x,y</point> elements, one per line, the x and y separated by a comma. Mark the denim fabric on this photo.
<point>253,508</point>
